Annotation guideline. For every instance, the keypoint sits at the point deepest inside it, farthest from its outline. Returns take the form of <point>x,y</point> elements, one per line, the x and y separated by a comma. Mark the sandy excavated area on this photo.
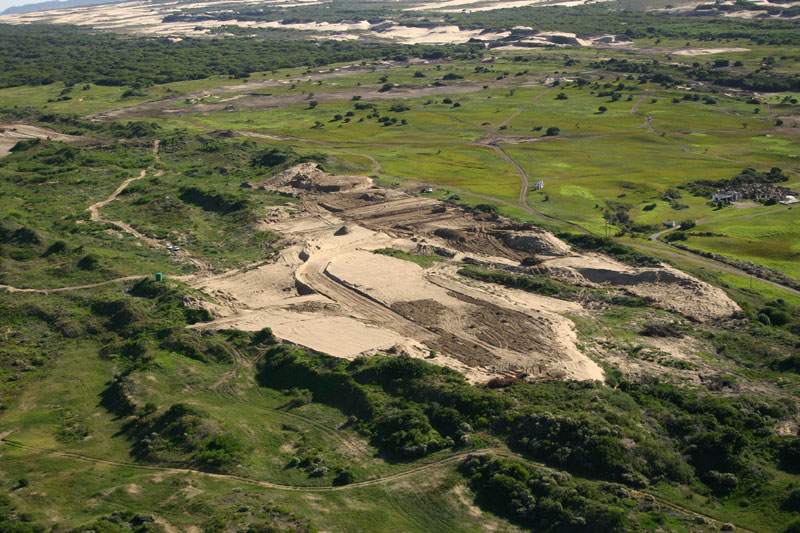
<point>329,291</point>
<point>11,134</point>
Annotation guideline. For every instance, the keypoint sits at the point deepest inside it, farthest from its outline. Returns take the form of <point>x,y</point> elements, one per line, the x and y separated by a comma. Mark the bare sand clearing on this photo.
<point>329,291</point>
<point>707,51</point>
<point>11,134</point>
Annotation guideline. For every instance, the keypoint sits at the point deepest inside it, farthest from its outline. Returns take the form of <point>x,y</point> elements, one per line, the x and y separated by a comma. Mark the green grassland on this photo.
<point>770,239</point>
<point>596,158</point>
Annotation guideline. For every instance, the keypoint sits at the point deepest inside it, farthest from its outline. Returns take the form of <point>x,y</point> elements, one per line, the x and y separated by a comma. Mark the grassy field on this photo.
<point>771,239</point>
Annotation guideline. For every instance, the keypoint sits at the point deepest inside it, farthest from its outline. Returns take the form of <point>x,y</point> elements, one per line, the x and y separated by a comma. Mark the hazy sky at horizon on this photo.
<point>8,3</point>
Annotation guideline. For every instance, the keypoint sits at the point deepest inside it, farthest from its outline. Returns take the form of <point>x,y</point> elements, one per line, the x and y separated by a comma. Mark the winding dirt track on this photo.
<point>523,192</point>
<point>95,216</point>
<point>9,288</point>
<point>713,264</point>
<point>266,484</point>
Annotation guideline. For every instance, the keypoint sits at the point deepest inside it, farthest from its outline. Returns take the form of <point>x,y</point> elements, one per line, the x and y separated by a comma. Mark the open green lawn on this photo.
<point>771,239</point>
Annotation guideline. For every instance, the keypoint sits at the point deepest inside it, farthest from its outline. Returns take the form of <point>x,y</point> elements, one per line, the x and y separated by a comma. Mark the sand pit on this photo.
<point>329,291</point>
<point>11,134</point>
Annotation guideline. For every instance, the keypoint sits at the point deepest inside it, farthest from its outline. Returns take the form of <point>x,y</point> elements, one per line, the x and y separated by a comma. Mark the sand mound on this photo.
<point>666,287</point>
<point>307,177</point>
<point>537,242</point>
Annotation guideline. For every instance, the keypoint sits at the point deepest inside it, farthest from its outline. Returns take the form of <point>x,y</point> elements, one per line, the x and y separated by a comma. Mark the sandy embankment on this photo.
<point>11,134</point>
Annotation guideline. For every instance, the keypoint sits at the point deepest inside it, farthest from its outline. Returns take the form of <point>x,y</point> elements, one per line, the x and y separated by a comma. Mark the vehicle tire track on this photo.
<point>9,288</point>
<point>95,216</point>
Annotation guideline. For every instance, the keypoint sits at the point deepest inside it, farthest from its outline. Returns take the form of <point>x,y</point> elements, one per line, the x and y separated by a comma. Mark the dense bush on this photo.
<point>411,408</point>
<point>605,245</point>
<point>40,54</point>
<point>219,202</point>
<point>538,499</point>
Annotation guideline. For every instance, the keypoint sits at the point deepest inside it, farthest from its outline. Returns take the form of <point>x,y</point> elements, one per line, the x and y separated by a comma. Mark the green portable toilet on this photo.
<point>159,276</point>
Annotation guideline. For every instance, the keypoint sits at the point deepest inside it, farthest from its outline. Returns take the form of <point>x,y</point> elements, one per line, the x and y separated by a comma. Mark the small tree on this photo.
<point>552,131</point>
<point>312,104</point>
<point>419,74</point>
<point>602,109</point>
<point>561,96</point>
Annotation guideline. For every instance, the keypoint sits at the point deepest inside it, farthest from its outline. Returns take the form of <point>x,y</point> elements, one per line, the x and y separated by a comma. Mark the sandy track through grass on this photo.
<point>266,484</point>
<point>72,288</point>
<point>95,216</point>
<point>523,191</point>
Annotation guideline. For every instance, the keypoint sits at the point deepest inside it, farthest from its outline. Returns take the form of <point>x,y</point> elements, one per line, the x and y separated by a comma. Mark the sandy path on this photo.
<point>265,484</point>
<point>523,191</point>
<point>648,120</point>
<point>704,262</point>
<point>72,288</point>
<point>711,263</point>
<point>95,216</point>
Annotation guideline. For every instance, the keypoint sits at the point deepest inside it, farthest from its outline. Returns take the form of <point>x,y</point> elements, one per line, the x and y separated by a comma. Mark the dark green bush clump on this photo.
<point>538,499</point>
<point>605,245</point>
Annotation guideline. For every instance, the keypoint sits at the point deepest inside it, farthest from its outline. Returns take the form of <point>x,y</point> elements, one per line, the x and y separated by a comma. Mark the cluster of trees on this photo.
<point>665,74</point>
<point>210,200</point>
<point>411,408</point>
<point>748,176</point>
<point>42,54</point>
<point>544,501</point>
<point>135,328</point>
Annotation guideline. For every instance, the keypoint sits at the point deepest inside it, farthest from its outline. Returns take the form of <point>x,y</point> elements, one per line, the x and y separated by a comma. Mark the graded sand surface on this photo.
<point>329,291</point>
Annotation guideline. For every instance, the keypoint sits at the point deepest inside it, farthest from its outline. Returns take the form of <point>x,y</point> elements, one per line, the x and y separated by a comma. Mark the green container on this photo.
<point>159,276</point>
